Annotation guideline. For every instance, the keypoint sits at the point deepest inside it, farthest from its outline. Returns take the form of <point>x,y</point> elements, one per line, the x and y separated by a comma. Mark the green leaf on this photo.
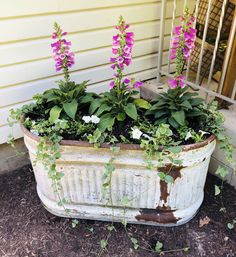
<point>103,243</point>
<point>121,116</point>
<point>110,227</point>
<point>230,225</point>
<point>222,171</point>
<point>62,202</point>
<point>54,114</point>
<point>179,117</point>
<point>158,247</point>
<point>135,243</point>
<point>71,108</point>
<point>161,175</point>
<point>74,223</point>
<point>103,108</point>
<point>158,114</point>
<point>186,104</point>
<point>159,103</point>
<point>175,149</point>
<point>161,121</point>
<point>94,138</point>
<point>131,111</point>
<point>86,99</point>
<point>142,103</point>
<point>217,190</point>
<point>169,179</point>
<point>196,101</point>
<point>106,123</point>
<point>94,105</point>
<point>58,175</point>
<point>173,123</point>
<point>223,209</point>
<point>172,106</point>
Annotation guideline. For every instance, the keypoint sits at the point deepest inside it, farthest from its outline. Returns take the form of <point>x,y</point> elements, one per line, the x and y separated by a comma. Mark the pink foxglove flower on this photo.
<point>126,81</point>
<point>122,46</point>
<point>177,81</point>
<point>181,45</point>
<point>112,84</point>
<point>64,58</point>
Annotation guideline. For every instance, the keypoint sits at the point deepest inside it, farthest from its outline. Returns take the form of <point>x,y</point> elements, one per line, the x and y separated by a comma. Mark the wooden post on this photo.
<point>230,76</point>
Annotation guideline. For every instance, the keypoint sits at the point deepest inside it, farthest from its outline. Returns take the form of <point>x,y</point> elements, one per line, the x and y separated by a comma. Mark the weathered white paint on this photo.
<point>26,66</point>
<point>83,168</point>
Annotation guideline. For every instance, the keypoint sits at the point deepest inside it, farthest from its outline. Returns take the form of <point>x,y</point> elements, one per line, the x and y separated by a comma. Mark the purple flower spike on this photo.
<point>61,48</point>
<point>181,45</point>
<point>122,46</point>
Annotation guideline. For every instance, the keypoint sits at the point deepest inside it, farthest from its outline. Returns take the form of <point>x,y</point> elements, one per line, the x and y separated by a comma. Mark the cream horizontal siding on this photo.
<point>26,66</point>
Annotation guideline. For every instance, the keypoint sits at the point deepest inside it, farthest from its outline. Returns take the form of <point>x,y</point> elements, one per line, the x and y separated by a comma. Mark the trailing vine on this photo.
<point>48,152</point>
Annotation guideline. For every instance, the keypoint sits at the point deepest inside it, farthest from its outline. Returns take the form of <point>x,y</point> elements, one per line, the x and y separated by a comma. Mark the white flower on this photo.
<point>86,119</point>
<point>203,132</point>
<point>34,131</point>
<point>136,133</point>
<point>188,135</point>
<point>95,119</point>
<point>146,136</point>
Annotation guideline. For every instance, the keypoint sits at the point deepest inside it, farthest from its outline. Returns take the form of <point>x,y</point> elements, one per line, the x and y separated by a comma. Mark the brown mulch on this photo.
<point>27,229</point>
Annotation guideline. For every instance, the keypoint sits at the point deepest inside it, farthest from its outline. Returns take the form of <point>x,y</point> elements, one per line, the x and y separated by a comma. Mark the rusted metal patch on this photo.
<point>159,216</point>
<point>164,208</point>
<point>174,172</point>
<point>164,191</point>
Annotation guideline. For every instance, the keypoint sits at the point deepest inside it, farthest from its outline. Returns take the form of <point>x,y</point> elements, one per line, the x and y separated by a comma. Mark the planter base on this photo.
<point>148,199</point>
<point>117,214</point>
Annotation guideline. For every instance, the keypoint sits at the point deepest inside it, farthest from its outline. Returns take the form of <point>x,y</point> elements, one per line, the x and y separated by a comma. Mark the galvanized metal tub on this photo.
<point>149,200</point>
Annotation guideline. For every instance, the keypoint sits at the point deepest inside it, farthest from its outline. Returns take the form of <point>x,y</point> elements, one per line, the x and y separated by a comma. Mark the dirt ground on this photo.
<point>27,229</point>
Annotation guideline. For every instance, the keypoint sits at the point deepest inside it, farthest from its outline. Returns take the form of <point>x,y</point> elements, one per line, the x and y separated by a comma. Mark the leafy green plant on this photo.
<point>176,107</point>
<point>114,106</point>
<point>65,101</point>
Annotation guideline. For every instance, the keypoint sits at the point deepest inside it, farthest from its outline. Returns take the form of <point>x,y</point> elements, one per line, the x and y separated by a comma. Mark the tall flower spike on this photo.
<point>64,58</point>
<point>122,46</point>
<point>182,43</point>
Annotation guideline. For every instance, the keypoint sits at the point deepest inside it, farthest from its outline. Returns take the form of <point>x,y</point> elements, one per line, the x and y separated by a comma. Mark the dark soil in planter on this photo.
<point>27,229</point>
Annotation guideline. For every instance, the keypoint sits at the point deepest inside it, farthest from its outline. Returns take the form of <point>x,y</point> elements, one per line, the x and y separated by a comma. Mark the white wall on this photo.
<point>26,66</point>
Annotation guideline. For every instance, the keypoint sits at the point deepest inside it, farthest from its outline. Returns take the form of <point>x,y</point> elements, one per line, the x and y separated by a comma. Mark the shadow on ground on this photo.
<point>27,229</point>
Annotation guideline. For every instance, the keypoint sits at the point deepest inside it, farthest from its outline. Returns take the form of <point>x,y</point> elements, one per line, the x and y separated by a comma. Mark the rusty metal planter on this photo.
<point>150,201</point>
